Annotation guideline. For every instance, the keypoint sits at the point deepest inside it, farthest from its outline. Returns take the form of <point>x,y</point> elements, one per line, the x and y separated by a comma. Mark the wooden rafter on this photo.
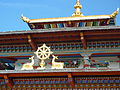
<point>56,39</point>
<point>103,37</point>
<point>60,36</point>
<point>13,41</point>
<point>8,37</point>
<point>8,81</point>
<point>56,34</point>
<point>101,33</point>
<point>32,43</point>
<point>82,38</point>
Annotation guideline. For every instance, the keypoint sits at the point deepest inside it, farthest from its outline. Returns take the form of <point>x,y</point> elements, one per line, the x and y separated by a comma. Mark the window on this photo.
<point>112,21</point>
<point>47,26</point>
<point>61,25</point>
<point>81,24</point>
<point>96,23</point>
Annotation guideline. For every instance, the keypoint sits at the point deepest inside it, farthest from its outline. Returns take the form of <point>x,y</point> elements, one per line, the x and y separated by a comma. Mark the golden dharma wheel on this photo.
<point>43,52</point>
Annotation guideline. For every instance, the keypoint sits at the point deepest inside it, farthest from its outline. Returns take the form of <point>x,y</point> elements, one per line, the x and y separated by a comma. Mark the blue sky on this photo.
<point>11,10</point>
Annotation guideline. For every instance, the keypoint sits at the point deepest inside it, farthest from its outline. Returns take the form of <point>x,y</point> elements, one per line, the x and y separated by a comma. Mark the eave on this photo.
<point>56,35</point>
<point>72,18</point>
<point>34,38</point>
<point>62,19</point>
<point>75,72</point>
<point>97,28</point>
<point>69,74</point>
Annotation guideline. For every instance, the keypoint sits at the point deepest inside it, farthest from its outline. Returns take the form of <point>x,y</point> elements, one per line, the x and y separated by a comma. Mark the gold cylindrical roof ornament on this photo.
<point>77,6</point>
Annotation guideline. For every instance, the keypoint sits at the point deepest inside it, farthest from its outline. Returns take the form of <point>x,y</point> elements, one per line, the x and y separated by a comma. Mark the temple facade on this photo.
<point>66,53</point>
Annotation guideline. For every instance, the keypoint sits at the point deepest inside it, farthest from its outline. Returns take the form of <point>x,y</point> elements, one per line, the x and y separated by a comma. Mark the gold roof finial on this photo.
<point>115,13</point>
<point>25,19</point>
<point>77,6</point>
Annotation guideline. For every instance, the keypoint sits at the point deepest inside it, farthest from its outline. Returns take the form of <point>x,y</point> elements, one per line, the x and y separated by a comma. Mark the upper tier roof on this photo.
<point>69,18</point>
<point>76,16</point>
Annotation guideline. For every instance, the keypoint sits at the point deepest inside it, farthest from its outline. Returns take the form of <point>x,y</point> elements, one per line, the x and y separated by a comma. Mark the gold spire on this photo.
<point>77,6</point>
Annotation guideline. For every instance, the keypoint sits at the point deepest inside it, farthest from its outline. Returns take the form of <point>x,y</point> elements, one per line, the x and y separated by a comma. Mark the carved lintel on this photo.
<point>71,80</point>
<point>8,81</point>
<point>83,40</point>
<point>32,43</point>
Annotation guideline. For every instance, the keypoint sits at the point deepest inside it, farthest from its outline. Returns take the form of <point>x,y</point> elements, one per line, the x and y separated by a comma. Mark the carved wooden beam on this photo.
<point>83,40</point>
<point>8,81</point>
<point>8,37</point>
<point>101,33</point>
<point>32,43</point>
<point>18,41</point>
<point>71,80</point>
<point>104,37</point>
<point>10,58</point>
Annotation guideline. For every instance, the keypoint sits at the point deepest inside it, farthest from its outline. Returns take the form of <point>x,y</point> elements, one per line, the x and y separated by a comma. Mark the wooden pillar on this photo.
<point>8,81</point>
<point>71,80</point>
<point>82,38</point>
<point>32,43</point>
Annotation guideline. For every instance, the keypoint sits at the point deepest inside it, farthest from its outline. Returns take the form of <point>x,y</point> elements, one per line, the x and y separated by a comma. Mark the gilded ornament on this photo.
<point>77,6</point>
<point>25,19</point>
<point>115,13</point>
<point>28,66</point>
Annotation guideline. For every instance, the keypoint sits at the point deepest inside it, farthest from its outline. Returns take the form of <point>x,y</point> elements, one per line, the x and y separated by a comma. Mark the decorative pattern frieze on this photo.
<point>60,83</point>
<point>91,45</point>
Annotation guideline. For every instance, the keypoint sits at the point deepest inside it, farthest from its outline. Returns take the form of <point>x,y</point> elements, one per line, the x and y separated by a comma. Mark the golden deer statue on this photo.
<point>28,66</point>
<point>56,65</point>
